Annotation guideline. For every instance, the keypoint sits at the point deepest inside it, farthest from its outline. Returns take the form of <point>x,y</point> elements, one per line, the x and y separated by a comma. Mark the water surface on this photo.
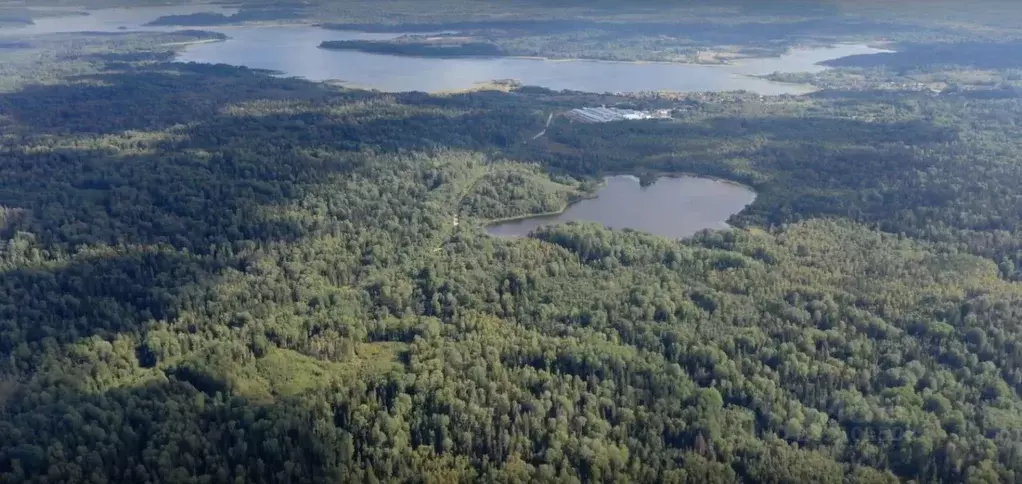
<point>671,207</point>
<point>109,20</point>
<point>294,51</point>
<point>802,60</point>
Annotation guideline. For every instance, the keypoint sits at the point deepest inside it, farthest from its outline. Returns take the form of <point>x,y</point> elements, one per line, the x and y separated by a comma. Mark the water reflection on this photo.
<point>671,207</point>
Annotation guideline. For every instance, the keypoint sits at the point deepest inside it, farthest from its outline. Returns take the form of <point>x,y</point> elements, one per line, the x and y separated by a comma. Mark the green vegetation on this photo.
<point>211,274</point>
<point>424,48</point>
<point>206,19</point>
<point>197,19</point>
<point>8,19</point>
<point>512,190</point>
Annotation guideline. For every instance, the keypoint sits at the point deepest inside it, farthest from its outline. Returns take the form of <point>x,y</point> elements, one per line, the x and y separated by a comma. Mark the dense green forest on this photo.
<point>425,48</point>
<point>510,190</point>
<point>206,19</point>
<point>210,274</point>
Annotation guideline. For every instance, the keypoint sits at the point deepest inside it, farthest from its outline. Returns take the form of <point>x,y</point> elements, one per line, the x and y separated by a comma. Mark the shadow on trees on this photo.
<point>148,97</point>
<point>833,129</point>
<point>807,143</point>
<point>79,197</point>
<point>102,295</point>
<point>172,215</point>
<point>177,190</point>
<point>168,431</point>
<point>173,167</point>
<point>149,164</point>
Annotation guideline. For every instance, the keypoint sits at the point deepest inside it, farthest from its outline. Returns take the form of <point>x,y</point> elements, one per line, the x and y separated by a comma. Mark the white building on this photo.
<point>606,115</point>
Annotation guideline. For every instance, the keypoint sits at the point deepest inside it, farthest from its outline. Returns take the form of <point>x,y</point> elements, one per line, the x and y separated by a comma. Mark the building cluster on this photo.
<point>606,115</point>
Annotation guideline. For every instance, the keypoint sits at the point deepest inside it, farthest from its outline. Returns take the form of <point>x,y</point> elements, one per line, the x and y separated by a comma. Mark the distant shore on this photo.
<point>191,42</point>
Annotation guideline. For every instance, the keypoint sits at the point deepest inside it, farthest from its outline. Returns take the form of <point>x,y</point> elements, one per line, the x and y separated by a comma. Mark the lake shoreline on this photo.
<point>192,42</point>
<point>490,224</point>
<point>798,89</point>
<point>557,74</point>
<point>581,198</point>
<point>543,58</point>
<point>686,174</point>
<point>737,61</point>
<point>288,48</point>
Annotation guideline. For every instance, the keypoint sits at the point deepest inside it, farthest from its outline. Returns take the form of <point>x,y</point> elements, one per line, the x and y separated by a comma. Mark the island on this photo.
<point>15,20</point>
<point>198,19</point>
<point>208,19</point>
<point>14,44</point>
<point>420,46</point>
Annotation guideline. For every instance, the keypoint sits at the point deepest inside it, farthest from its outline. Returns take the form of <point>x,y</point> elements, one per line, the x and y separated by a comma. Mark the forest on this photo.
<point>208,19</point>
<point>415,48</point>
<point>212,274</point>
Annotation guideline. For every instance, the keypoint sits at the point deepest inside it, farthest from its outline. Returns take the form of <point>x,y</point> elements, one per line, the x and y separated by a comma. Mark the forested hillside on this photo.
<point>210,274</point>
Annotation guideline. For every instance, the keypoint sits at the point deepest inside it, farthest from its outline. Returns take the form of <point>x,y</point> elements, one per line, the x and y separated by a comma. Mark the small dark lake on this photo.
<point>671,207</point>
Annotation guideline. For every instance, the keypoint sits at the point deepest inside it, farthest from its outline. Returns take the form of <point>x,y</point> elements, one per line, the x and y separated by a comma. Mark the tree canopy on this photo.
<point>212,274</point>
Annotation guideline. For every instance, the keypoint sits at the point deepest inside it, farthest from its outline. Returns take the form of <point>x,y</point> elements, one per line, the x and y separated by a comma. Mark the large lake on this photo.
<point>294,51</point>
<point>671,207</point>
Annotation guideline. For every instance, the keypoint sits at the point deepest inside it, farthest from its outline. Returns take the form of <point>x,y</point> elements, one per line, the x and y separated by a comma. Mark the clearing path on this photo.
<point>548,120</point>
<point>468,185</point>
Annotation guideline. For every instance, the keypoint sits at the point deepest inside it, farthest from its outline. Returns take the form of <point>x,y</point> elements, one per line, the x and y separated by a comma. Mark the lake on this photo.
<point>294,51</point>
<point>670,207</point>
